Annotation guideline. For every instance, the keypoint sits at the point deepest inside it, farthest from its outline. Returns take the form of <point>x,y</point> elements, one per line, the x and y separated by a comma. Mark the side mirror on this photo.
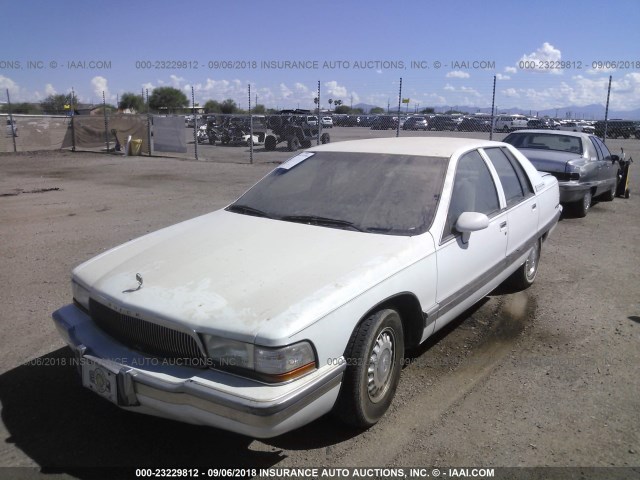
<point>615,158</point>
<point>471,222</point>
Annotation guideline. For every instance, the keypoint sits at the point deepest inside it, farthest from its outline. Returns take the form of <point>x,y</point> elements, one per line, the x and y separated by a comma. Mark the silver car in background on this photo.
<point>582,163</point>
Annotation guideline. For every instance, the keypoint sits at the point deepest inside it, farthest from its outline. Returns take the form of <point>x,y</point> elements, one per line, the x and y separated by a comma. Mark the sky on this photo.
<point>543,54</point>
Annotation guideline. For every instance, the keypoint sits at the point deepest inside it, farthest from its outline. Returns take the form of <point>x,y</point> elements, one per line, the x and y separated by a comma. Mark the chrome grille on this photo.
<point>147,337</point>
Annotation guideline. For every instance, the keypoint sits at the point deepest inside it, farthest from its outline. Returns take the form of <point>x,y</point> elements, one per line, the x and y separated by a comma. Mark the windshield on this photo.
<point>377,193</point>
<point>546,141</point>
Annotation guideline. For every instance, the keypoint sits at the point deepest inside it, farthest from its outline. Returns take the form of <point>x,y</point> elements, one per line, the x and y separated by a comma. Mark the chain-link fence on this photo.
<point>487,113</point>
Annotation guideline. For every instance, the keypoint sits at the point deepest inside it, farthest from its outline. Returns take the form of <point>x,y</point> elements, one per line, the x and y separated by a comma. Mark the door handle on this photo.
<point>534,206</point>
<point>503,225</point>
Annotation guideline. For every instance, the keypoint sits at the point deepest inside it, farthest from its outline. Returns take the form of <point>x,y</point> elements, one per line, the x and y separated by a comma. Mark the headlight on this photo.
<point>265,363</point>
<point>80,295</point>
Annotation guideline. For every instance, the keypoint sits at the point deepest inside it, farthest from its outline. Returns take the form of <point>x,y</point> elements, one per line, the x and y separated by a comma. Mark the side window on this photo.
<point>513,190</point>
<point>522,175</point>
<point>597,148</point>
<point>473,191</point>
<point>603,150</point>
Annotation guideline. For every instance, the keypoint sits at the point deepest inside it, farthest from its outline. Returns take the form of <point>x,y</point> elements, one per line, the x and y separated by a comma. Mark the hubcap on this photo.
<point>532,263</point>
<point>381,364</point>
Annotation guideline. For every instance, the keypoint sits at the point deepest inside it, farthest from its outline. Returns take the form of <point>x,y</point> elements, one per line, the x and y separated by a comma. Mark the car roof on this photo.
<point>554,132</point>
<point>419,146</point>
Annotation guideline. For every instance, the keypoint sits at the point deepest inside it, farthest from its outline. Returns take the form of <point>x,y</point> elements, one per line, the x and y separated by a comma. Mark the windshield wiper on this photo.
<point>247,210</point>
<point>320,221</point>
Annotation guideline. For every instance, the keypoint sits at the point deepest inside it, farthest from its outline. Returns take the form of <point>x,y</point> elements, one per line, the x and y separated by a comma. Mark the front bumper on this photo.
<point>199,396</point>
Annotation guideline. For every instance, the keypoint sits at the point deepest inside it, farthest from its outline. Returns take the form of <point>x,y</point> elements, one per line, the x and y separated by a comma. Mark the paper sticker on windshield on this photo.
<point>292,162</point>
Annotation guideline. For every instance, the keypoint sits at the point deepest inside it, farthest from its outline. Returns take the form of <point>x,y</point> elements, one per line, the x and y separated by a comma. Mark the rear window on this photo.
<point>545,141</point>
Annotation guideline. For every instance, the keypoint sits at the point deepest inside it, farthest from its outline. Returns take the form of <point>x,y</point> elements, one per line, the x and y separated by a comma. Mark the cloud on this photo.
<point>100,85</point>
<point>510,70</point>
<point>8,84</point>
<point>500,76</point>
<point>49,90</point>
<point>538,60</point>
<point>285,91</point>
<point>578,91</point>
<point>458,74</point>
<point>333,89</point>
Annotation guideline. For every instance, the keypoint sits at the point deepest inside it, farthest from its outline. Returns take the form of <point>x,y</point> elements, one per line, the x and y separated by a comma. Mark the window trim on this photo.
<point>447,237</point>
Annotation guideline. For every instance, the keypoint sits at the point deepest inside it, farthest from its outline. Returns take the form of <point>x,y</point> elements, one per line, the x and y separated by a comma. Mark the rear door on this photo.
<point>521,205</point>
<point>607,169</point>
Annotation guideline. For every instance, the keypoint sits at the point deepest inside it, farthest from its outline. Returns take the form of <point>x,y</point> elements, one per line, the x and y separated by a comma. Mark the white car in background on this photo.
<point>576,127</point>
<point>302,296</point>
<point>509,123</point>
<point>327,122</point>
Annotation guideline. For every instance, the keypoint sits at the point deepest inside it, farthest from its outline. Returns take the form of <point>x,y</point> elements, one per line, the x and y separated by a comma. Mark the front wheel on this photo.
<point>374,361</point>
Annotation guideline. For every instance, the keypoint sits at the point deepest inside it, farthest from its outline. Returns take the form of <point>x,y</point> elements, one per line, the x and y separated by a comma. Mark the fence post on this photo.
<point>250,127</point>
<point>73,128</point>
<point>195,122</point>
<point>493,103</point>
<point>106,121</point>
<point>13,131</point>
<point>319,122</point>
<point>148,123</point>
<point>606,111</point>
<point>399,104</point>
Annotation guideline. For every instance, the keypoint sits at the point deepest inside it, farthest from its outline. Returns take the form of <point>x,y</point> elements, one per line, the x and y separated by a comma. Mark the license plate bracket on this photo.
<point>100,380</point>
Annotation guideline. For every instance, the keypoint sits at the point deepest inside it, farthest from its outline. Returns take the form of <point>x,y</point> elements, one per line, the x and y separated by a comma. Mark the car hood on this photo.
<point>550,160</point>
<point>246,277</point>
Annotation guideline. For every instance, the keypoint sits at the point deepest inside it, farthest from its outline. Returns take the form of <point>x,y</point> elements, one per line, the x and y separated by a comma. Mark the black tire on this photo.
<point>212,140</point>
<point>325,138</point>
<point>306,144</point>
<point>374,360</point>
<point>582,207</point>
<point>609,195</point>
<point>270,143</point>
<point>293,143</point>
<point>524,277</point>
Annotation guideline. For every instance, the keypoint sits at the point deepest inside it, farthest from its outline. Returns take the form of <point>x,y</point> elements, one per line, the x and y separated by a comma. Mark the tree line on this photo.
<point>163,100</point>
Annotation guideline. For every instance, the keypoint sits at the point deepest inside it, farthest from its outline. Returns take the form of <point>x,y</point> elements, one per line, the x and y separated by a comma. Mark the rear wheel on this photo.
<point>609,195</point>
<point>582,206</point>
<point>374,360</point>
<point>325,138</point>
<point>526,274</point>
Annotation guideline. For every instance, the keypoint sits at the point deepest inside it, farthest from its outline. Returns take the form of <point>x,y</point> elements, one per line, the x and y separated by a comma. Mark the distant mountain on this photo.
<point>587,112</point>
<point>365,107</point>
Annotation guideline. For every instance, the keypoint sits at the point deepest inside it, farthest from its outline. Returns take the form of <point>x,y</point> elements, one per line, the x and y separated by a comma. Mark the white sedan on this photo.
<point>301,297</point>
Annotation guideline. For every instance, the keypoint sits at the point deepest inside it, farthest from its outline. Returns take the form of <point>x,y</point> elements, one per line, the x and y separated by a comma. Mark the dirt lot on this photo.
<point>546,377</point>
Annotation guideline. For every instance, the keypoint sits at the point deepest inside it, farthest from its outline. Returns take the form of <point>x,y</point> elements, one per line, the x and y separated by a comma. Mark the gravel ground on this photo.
<point>545,377</point>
